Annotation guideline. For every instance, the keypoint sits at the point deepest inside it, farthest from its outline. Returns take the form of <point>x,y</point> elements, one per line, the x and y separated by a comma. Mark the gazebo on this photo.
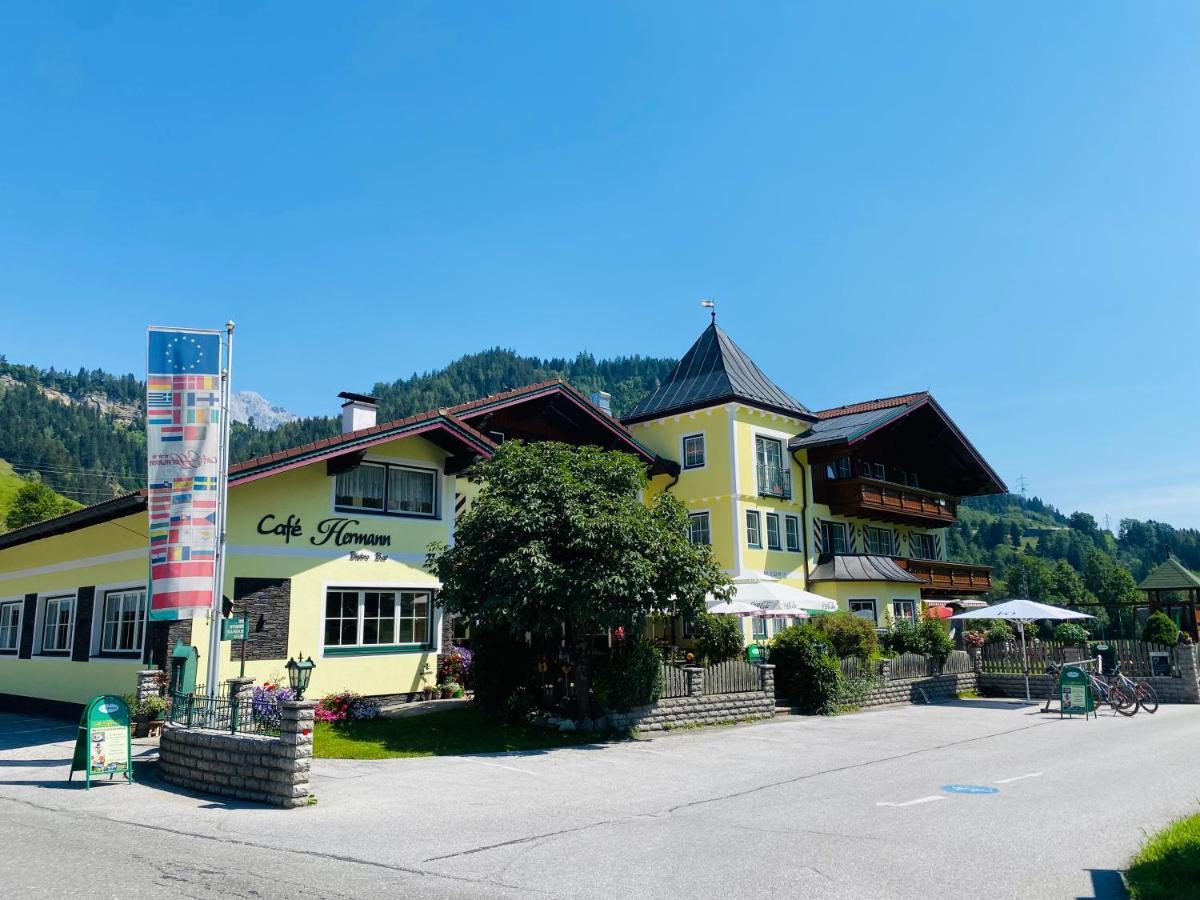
<point>1173,577</point>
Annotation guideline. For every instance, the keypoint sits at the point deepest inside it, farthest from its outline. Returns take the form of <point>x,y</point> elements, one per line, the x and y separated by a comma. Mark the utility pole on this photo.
<point>1021,485</point>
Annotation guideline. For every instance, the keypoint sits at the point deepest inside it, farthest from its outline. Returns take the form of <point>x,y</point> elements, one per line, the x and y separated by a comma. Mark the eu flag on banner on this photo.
<point>183,433</point>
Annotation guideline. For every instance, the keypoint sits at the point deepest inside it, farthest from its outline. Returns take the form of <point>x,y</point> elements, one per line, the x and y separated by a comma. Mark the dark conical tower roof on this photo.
<point>715,370</point>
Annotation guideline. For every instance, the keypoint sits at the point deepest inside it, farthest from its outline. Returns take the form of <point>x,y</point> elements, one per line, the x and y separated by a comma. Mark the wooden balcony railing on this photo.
<point>948,577</point>
<point>870,498</point>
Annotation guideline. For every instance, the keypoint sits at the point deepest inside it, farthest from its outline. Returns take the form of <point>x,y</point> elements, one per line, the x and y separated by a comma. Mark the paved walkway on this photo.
<point>851,807</point>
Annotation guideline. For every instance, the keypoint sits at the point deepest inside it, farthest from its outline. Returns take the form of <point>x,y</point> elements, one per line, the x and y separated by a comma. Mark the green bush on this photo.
<point>1070,633</point>
<point>903,636</point>
<point>1160,630</point>
<point>806,670</point>
<point>848,634</point>
<point>632,676</point>
<point>935,639</point>
<point>718,638</point>
<point>1000,631</point>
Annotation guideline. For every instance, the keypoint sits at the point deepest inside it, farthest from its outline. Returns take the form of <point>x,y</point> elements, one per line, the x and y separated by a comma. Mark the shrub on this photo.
<point>1070,633</point>
<point>152,708</point>
<point>345,706</point>
<point>848,634</point>
<point>1000,631</point>
<point>806,671</point>
<point>455,665</point>
<point>975,639</point>
<point>903,636</point>
<point>632,676</point>
<point>1160,630</point>
<point>718,638</point>
<point>935,639</point>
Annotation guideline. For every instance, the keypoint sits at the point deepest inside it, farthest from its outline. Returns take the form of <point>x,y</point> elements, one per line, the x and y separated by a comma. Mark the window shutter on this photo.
<point>28,614</point>
<point>81,650</point>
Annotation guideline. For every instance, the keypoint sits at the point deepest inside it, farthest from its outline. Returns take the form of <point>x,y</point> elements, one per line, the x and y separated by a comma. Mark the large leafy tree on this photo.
<point>33,502</point>
<point>559,542</point>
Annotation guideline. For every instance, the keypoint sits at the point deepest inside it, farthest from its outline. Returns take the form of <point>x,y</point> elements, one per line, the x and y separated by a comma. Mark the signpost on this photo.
<point>237,629</point>
<point>103,745</point>
<point>1075,693</point>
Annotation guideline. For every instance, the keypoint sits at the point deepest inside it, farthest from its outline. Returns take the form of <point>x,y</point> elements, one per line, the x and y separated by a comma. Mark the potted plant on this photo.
<point>450,689</point>
<point>152,712</point>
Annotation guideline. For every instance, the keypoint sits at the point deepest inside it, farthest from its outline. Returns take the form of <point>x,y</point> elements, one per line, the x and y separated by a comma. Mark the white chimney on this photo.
<point>603,401</point>
<point>359,411</point>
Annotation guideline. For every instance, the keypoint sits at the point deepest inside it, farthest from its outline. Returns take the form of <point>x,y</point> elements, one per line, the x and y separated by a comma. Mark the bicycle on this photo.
<point>1118,696</point>
<point>1143,693</point>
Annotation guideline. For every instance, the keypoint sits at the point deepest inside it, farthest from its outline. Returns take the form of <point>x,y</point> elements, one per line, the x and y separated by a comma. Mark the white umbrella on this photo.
<point>768,593</point>
<point>1022,611</point>
<point>734,608</point>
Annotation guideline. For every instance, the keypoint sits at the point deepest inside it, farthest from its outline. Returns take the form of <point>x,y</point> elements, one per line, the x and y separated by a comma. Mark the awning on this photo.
<point>862,567</point>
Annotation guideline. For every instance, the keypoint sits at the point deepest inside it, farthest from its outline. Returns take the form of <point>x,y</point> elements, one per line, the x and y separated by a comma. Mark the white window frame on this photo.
<point>873,606</point>
<point>778,542</point>
<point>828,528</point>
<point>139,625</point>
<point>57,600</point>
<point>891,541</point>
<point>754,529</point>
<point>911,616</point>
<point>360,619</point>
<point>755,633</point>
<point>916,538</point>
<point>14,624</point>
<point>684,451</point>
<point>700,516</point>
<point>791,533</point>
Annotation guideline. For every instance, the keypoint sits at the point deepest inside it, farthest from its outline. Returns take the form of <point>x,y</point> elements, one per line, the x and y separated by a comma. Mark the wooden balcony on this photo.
<point>947,578</point>
<point>870,498</point>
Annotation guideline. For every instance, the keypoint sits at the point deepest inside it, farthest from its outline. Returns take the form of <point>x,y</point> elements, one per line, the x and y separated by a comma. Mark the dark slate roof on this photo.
<point>1171,575</point>
<point>104,511</point>
<point>862,568</point>
<point>716,370</point>
<point>844,429</point>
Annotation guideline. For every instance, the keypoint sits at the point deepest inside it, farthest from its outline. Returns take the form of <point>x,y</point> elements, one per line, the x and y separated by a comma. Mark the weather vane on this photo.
<point>710,305</point>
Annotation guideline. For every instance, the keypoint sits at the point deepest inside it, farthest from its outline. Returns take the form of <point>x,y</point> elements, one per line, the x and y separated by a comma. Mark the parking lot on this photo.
<point>984,798</point>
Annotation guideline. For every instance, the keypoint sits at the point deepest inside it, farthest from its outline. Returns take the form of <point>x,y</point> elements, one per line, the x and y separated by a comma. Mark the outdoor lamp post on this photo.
<point>298,675</point>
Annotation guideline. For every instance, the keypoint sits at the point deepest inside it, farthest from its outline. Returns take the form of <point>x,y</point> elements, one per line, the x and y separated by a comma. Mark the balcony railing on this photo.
<point>774,481</point>
<point>874,499</point>
<point>948,577</point>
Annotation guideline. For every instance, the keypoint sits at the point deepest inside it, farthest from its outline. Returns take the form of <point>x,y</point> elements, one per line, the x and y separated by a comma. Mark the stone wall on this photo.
<point>698,708</point>
<point>933,689</point>
<point>254,767</point>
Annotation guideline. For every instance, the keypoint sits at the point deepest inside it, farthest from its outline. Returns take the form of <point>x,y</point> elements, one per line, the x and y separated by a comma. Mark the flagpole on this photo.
<point>214,630</point>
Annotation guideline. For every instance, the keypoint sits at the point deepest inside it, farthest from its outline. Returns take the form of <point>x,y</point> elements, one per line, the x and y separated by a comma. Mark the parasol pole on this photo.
<point>1024,656</point>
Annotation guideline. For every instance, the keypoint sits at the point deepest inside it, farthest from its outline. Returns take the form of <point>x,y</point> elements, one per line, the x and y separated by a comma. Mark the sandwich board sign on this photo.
<point>102,746</point>
<point>1075,692</point>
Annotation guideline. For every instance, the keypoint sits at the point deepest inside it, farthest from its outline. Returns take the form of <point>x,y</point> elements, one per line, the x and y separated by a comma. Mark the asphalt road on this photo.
<point>851,807</point>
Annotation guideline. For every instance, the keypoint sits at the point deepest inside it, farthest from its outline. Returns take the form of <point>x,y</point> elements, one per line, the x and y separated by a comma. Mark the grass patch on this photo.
<point>967,695</point>
<point>450,732</point>
<point>1168,866</point>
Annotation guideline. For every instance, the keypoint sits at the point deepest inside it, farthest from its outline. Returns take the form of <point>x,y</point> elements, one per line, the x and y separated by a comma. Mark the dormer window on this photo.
<point>388,489</point>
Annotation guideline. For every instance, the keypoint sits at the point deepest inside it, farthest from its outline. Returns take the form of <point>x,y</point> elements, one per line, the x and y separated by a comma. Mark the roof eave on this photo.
<point>680,409</point>
<point>96,514</point>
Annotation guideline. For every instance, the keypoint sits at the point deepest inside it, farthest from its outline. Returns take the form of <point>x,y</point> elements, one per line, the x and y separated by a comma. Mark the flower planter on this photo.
<point>154,729</point>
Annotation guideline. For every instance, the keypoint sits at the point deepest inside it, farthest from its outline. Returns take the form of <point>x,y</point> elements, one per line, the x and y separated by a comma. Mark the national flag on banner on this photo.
<point>183,398</point>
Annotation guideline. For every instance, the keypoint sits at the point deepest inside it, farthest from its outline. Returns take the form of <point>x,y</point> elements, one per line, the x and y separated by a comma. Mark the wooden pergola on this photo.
<point>1173,577</point>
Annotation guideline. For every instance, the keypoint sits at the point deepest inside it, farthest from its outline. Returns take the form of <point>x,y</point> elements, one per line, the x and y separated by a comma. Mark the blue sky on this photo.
<point>998,202</point>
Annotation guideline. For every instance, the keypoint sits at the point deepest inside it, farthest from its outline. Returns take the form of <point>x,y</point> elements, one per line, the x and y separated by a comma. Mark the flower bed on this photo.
<point>345,706</point>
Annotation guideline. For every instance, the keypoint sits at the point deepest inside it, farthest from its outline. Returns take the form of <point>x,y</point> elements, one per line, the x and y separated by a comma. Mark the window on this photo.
<point>921,546</point>
<point>693,451</point>
<point>879,541</point>
<point>56,624</point>
<point>838,468</point>
<point>912,480</point>
<point>791,527</point>
<point>124,624</point>
<point>10,627</point>
<point>864,609</point>
<point>773,531</point>
<point>760,628</point>
<point>833,538</point>
<point>774,478</point>
<point>878,471</point>
<point>373,618</point>
<point>753,529</point>
<point>698,532</point>
<point>386,488</point>
<point>904,609</point>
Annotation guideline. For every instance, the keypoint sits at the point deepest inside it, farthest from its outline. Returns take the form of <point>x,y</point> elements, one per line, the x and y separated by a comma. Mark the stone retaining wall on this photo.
<point>255,767</point>
<point>933,689</point>
<point>700,709</point>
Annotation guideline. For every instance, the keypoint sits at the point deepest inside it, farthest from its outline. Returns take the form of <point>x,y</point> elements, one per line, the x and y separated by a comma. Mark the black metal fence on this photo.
<point>225,714</point>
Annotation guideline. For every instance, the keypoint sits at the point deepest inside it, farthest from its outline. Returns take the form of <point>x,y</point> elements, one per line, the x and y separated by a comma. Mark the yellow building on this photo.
<point>850,503</point>
<point>326,550</point>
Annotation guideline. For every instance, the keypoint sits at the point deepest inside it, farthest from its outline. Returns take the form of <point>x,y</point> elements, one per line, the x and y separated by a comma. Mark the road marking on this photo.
<point>970,789</point>
<point>1018,778</point>
<point>912,802</point>
<point>498,766</point>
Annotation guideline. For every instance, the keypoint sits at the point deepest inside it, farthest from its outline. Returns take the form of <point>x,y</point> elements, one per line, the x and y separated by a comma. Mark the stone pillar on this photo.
<point>885,670</point>
<point>148,684</point>
<point>1185,658</point>
<point>695,681</point>
<point>766,673</point>
<point>296,737</point>
<point>976,660</point>
<point>241,689</point>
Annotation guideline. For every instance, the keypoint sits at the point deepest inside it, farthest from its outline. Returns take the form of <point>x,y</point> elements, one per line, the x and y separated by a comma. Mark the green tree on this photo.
<point>33,502</point>
<point>1160,629</point>
<point>558,538</point>
<point>718,638</point>
<point>806,671</point>
<point>847,634</point>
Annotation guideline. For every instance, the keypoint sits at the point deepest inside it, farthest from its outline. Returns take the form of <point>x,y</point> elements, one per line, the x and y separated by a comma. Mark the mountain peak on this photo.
<point>247,405</point>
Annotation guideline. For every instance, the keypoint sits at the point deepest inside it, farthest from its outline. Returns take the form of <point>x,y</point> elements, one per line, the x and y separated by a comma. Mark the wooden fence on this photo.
<point>674,682</point>
<point>1138,658</point>
<point>957,663</point>
<point>731,677</point>
<point>908,665</point>
<point>1141,659</point>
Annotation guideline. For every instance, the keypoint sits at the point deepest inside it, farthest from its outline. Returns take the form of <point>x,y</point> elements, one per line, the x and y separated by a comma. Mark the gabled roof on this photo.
<point>1171,575</point>
<point>95,514</point>
<point>862,568</point>
<point>715,370</point>
<point>871,405</point>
